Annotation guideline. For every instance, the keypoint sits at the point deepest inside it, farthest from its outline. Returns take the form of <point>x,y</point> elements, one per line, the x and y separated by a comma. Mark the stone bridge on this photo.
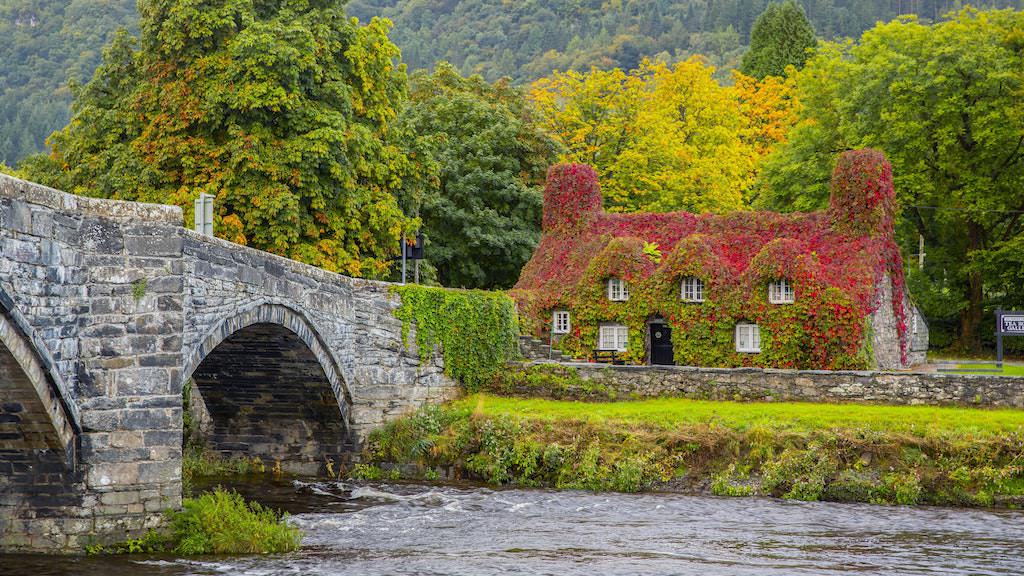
<point>109,309</point>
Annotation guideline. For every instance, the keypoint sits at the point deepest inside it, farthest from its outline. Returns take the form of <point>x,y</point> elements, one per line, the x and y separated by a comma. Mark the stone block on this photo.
<point>112,475</point>
<point>154,245</point>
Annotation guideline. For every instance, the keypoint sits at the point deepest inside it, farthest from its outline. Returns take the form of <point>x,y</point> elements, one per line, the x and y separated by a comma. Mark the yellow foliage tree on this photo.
<point>769,108</point>
<point>666,137</point>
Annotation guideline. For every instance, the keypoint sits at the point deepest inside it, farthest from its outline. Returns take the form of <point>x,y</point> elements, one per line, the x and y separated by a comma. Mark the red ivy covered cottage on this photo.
<point>823,290</point>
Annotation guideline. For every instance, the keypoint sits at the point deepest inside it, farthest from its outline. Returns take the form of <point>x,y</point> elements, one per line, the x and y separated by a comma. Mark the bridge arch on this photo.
<point>36,414</point>
<point>267,386</point>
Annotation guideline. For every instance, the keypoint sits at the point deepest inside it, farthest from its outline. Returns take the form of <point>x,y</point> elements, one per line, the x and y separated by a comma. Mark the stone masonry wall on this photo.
<point>768,384</point>
<point>885,343</point>
<point>96,288</point>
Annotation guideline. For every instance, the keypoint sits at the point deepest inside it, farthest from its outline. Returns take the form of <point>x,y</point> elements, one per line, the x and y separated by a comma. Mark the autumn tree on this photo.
<point>943,102</point>
<point>768,108</point>
<point>782,36</point>
<point>481,215</point>
<point>281,110</point>
<point>661,137</point>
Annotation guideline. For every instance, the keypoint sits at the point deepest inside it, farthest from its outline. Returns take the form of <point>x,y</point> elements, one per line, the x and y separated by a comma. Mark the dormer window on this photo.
<point>560,322</point>
<point>748,338</point>
<point>618,290</point>
<point>781,292</point>
<point>692,290</point>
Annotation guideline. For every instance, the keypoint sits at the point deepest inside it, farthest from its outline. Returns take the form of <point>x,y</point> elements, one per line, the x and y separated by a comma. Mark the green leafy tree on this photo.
<point>943,102</point>
<point>782,36</point>
<point>281,110</point>
<point>48,42</point>
<point>482,213</point>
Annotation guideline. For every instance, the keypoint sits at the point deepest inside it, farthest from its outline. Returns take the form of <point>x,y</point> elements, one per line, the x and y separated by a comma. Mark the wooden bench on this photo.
<point>607,357</point>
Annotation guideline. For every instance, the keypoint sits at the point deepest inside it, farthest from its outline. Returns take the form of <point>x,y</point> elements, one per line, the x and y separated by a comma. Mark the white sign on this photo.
<point>1012,324</point>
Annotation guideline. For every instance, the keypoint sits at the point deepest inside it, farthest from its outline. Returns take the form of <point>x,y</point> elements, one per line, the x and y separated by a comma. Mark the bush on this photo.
<point>217,522</point>
<point>222,522</point>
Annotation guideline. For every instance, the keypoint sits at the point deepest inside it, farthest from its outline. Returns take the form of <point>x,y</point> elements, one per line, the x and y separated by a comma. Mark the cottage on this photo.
<point>822,290</point>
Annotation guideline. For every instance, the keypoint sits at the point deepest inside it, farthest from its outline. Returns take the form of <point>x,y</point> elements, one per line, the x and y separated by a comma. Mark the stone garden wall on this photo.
<point>601,381</point>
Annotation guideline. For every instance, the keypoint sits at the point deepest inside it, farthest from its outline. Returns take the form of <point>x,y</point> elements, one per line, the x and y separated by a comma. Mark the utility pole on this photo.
<point>920,252</point>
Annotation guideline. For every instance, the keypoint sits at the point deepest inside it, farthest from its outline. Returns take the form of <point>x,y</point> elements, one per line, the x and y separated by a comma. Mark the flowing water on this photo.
<point>390,529</point>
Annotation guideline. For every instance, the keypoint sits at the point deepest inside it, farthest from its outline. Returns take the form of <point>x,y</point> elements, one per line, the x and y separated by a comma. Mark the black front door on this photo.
<point>661,344</point>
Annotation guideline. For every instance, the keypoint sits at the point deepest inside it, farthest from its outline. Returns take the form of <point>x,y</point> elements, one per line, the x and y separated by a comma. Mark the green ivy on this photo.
<point>477,330</point>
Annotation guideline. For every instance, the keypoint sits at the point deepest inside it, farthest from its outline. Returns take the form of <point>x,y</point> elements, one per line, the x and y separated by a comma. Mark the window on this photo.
<point>693,290</point>
<point>613,337</point>
<point>618,290</point>
<point>560,323</point>
<point>913,322</point>
<point>781,292</point>
<point>748,338</point>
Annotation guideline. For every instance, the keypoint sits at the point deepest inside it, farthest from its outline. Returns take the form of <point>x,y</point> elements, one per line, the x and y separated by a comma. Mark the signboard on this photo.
<point>1008,323</point>
<point>1012,323</point>
<point>414,251</point>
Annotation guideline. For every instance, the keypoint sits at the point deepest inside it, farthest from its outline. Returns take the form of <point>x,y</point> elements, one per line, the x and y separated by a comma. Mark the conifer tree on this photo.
<point>781,36</point>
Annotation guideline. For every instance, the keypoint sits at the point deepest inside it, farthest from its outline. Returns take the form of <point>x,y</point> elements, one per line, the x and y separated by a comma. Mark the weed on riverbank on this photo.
<point>848,452</point>
<point>216,522</point>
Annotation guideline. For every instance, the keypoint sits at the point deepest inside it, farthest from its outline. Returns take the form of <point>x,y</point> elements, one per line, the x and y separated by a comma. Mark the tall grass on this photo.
<point>217,522</point>
<point>222,522</point>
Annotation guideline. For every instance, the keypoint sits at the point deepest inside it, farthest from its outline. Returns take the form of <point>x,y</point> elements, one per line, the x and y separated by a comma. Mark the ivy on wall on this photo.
<point>835,260</point>
<point>477,330</point>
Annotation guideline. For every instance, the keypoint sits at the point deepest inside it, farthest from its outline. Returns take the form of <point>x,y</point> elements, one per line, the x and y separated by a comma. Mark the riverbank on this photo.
<point>803,451</point>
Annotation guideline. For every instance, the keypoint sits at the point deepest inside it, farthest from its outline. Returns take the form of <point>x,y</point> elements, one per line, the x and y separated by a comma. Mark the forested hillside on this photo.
<point>527,39</point>
<point>46,42</point>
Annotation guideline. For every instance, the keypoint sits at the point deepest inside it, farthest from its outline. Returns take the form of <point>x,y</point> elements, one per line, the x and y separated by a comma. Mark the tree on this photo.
<point>482,215</point>
<point>769,111</point>
<point>282,112</point>
<point>944,104</point>
<point>661,137</point>
<point>781,37</point>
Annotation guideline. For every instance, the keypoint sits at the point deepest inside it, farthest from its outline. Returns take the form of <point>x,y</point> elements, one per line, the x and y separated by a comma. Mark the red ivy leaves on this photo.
<point>835,261</point>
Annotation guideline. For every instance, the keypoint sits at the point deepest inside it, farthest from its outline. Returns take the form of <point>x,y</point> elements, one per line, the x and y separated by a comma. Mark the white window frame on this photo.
<point>618,290</point>
<point>560,322</point>
<point>691,289</point>
<point>781,292</point>
<point>613,337</point>
<point>748,338</point>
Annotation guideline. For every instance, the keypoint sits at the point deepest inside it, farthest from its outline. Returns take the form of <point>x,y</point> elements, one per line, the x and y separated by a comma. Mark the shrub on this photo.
<point>222,522</point>
<point>217,522</point>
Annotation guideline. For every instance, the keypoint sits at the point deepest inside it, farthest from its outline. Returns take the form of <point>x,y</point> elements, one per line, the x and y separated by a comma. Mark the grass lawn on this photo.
<point>1008,370</point>
<point>741,416</point>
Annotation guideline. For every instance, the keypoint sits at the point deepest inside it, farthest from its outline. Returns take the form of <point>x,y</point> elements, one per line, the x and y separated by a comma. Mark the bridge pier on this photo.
<point>107,309</point>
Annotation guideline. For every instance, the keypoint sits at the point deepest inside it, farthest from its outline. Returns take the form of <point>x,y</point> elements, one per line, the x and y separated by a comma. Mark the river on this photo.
<point>396,529</point>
